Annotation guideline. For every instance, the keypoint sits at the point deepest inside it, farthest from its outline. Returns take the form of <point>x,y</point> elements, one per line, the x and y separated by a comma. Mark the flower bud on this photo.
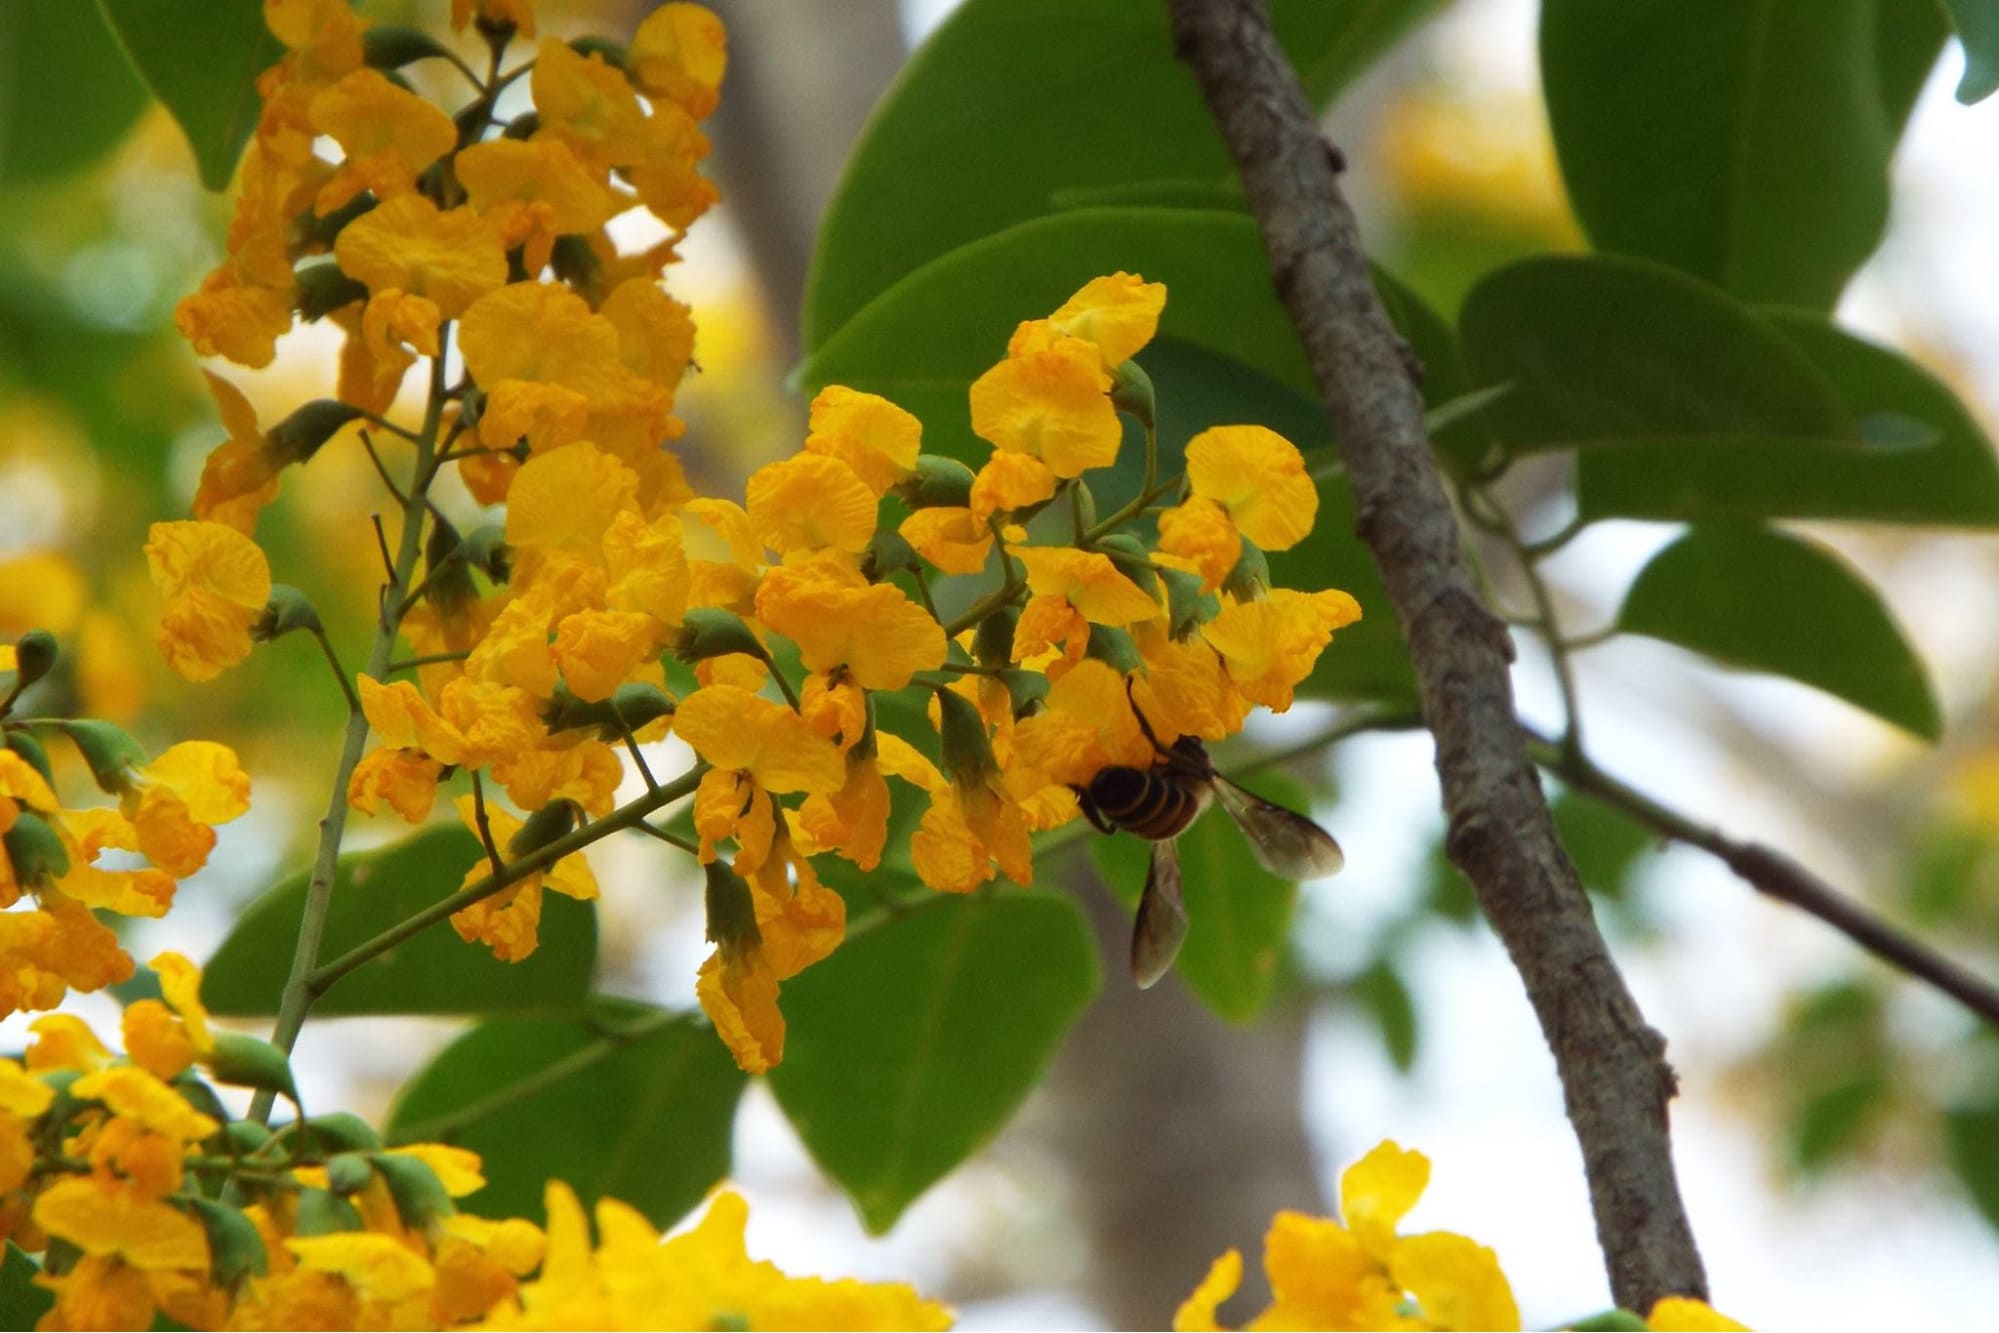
<point>1085,502</point>
<point>1025,689</point>
<point>348,1173</point>
<point>109,750</point>
<point>243,1061</point>
<point>732,911</point>
<point>247,1135</point>
<point>1131,392</point>
<point>887,554</point>
<point>709,631</point>
<point>1116,648</point>
<point>1187,606</point>
<point>287,610</point>
<point>992,644</point>
<point>299,436</point>
<point>936,481</point>
<point>235,1246</point>
<point>485,549</point>
<point>30,749</point>
<point>420,1197</point>
<point>1250,579</point>
<point>34,850</point>
<point>34,655</point>
<point>323,289</point>
<point>1133,561</point>
<point>341,1131</point>
<point>324,1213</point>
<point>544,826</point>
<point>967,753</point>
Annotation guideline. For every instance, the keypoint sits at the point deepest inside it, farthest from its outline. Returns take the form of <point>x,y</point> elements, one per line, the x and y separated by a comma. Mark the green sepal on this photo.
<point>579,261</point>
<point>937,482</point>
<point>1250,579</point>
<point>247,1136</point>
<point>289,609</point>
<point>243,1061</point>
<point>323,289</point>
<point>348,1173</point>
<point>1188,607</point>
<point>1025,689</point>
<point>1084,501</point>
<point>235,1246</point>
<point>635,701</point>
<point>30,749</point>
<point>992,643</point>
<point>34,850</point>
<point>709,631</point>
<point>1133,561</point>
<point>109,750</point>
<point>732,911</point>
<point>391,46</point>
<point>1131,392</point>
<point>340,1131</point>
<point>324,1213</point>
<point>299,436</point>
<point>420,1196</point>
<point>316,231</point>
<point>544,826</point>
<point>34,654</point>
<point>968,754</point>
<point>887,554</point>
<point>1114,647</point>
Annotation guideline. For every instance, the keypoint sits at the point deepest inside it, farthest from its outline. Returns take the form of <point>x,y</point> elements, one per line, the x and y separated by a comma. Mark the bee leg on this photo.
<point>1139,713</point>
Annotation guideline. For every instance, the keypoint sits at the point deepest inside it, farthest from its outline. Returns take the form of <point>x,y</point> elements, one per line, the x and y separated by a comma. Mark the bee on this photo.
<point>1158,803</point>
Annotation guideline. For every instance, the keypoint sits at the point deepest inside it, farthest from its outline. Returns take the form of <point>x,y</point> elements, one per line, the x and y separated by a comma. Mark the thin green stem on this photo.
<point>669,837</point>
<point>1011,583</point>
<point>322,978</point>
<point>382,469</point>
<point>1501,525</point>
<point>428,659</point>
<point>484,824</point>
<point>339,672</point>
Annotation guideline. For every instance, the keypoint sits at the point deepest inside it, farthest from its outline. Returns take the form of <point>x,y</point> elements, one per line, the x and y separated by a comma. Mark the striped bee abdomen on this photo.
<point>1144,801</point>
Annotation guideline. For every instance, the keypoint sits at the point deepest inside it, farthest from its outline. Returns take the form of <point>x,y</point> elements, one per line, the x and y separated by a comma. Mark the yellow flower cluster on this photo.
<point>109,1168</point>
<point>1363,1275</point>
<point>1047,642</point>
<point>54,875</point>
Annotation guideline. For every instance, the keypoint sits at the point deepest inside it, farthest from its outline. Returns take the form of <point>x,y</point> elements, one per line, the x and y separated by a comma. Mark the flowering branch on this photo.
<point>1611,1063</point>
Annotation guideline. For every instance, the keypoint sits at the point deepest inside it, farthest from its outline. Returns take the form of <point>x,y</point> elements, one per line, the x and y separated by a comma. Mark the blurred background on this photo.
<point>1838,1128</point>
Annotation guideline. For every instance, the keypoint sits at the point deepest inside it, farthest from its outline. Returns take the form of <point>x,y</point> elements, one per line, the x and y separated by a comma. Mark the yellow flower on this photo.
<point>21,784</point>
<point>388,133</point>
<point>873,631</point>
<point>406,779</point>
<point>1200,532</point>
<point>1259,477</point>
<point>756,748</point>
<point>851,822</point>
<point>1185,689</point>
<point>1086,726</point>
<point>1119,314</point>
<point>552,369</point>
<point>533,191</point>
<point>63,1041</point>
<point>1010,481</point>
<point>165,1036</point>
<point>233,319</point>
<point>1050,400</point>
<point>655,332</point>
<point>241,474</point>
<point>1684,1314</point>
<point>381,1269</point>
<point>1362,1275</point>
<point>680,53</point>
<point>1073,590</point>
<point>810,502</point>
<point>879,440</point>
<point>102,1216</point>
<point>216,583</point>
<point>797,925</point>
<point>475,722</point>
<point>174,802</point>
<point>950,537</point>
<point>509,921</point>
<point>1269,646</point>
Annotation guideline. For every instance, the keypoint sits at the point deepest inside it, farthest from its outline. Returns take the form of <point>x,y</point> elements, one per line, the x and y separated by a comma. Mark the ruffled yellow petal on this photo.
<point>950,537</point>
<point>1119,314</point>
<point>1260,478</point>
<point>216,582</point>
<point>680,53</point>
<point>1378,1190</point>
<point>879,440</point>
<point>1052,404</point>
<point>1197,1313</point>
<point>1684,1314</point>
<point>810,502</point>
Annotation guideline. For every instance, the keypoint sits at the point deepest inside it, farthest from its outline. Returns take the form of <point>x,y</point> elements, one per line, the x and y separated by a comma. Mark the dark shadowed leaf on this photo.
<point>1744,141</point>
<point>627,1101</point>
<point>1767,601</point>
<point>22,1303</point>
<point>1977,23</point>
<point>913,1044</point>
<point>1973,1135</point>
<point>201,61</point>
<point>1016,107</point>
<point>66,93</point>
<point>434,972</point>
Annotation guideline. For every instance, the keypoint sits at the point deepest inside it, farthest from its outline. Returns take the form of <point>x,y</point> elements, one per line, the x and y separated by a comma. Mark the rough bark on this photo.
<point>1614,1077</point>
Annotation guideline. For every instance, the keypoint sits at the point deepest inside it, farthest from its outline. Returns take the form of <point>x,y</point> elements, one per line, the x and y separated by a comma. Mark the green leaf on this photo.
<point>1744,141</point>
<point>1972,1133</point>
<point>1605,844</point>
<point>1950,477</point>
<point>22,1303</point>
<point>913,1044</point>
<point>201,61</point>
<point>66,94</point>
<point>1240,912</point>
<point>434,972</point>
<point>628,1101</point>
<point>1768,601</point>
<point>1608,351</point>
<point>1013,106</point>
<point>1831,1120</point>
<point>1385,995</point>
<point>1908,37</point>
<point>1977,23</point>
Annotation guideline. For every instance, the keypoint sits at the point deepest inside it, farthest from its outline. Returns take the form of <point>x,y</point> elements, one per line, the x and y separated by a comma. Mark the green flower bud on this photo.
<point>936,481</point>
<point>313,232</point>
<point>544,826</point>
<point>1250,579</point>
<point>1116,648</point>
<point>485,549</point>
<point>287,610</point>
<point>419,1195</point>
<point>968,754</point>
<point>1187,606</point>
<point>732,911</point>
<point>1085,502</point>
<point>299,436</point>
<point>709,631</point>
<point>34,655</point>
<point>887,554</point>
<point>235,1246</point>
<point>1024,689</point>
<point>30,749</point>
<point>1133,561</point>
<point>109,750</point>
<point>243,1061</point>
<point>34,850</point>
<point>342,1131</point>
<point>324,1213</point>
<point>1131,392</point>
<point>992,643</point>
<point>323,289</point>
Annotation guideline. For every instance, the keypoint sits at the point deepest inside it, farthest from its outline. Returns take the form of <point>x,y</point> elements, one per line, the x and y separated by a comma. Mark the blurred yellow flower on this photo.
<point>216,582</point>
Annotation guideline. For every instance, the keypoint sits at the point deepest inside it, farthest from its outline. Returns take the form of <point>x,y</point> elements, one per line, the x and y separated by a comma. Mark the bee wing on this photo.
<point>1162,917</point>
<point>1286,842</point>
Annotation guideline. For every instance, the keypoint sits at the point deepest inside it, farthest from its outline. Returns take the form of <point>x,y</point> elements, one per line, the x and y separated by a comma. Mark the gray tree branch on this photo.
<point>1614,1076</point>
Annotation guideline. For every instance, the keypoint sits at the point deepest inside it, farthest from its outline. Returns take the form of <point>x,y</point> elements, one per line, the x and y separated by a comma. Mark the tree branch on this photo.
<point>1776,875</point>
<point>1614,1076</point>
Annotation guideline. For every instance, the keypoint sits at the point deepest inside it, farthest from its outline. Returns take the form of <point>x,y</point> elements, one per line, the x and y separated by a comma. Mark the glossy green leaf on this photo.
<point>66,94</point>
<point>1743,141</point>
<point>1240,913</point>
<point>201,61</point>
<point>22,1303</point>
<point>1767,601</point>
<point>1947,475</point>
<point>434,972</point>
<point>1012,107</point>
<point>627,1101</point>
<point>914,1043</point>
<point>1608,351</point>
<point>1977,23</point>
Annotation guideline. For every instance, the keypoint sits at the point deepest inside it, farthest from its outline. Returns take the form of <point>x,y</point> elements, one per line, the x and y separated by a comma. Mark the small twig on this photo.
<point>1548,624</point>
<point>382,545</point>
<point>339,672</point>
<point>1777,876</point>
<point>485,826</point>
<point>428,659</point>
<point>668,837</point>
<point>382,470</point>
<point>632,745</point>
<point>923,592</point>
